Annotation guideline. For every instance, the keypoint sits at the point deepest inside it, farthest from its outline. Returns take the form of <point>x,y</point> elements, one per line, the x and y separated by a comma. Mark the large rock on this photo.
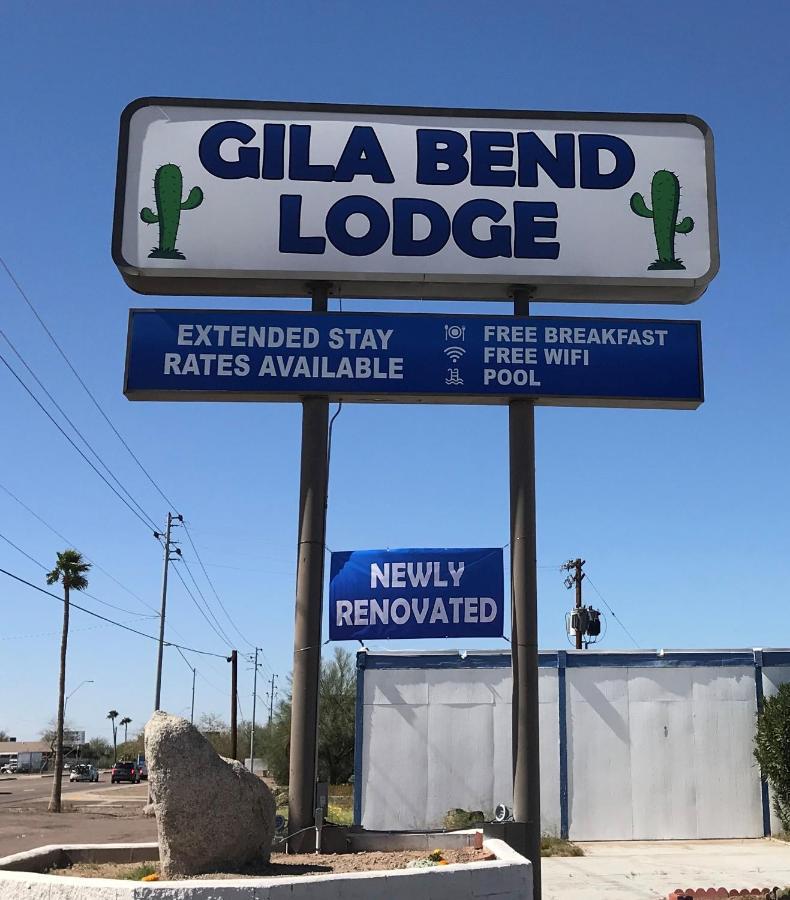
<point>212,815</point>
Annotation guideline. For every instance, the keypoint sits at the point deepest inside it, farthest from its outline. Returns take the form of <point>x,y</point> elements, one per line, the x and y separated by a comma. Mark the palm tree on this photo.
<point>126,722</point>
<point>70,570</point>
<point>113,715</point>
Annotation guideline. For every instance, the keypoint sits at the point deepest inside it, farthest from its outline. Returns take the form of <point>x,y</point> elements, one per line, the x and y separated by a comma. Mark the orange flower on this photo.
<point>152,877</point>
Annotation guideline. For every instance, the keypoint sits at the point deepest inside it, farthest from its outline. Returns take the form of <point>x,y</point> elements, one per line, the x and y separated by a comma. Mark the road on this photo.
<point>94,813</point>
<point>28,789</point>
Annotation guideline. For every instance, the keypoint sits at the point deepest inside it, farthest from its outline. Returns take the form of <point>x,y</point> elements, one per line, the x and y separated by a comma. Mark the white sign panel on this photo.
<point>221,197</point>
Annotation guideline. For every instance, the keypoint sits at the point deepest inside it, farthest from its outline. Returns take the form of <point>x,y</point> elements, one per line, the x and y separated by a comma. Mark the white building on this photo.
<point>633,745</point>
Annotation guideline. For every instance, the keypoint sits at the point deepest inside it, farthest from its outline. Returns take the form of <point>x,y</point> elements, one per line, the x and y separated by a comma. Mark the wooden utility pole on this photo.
<point>578,575</point>
<point>168,543</point>
<point>234,703</point>
<point>271,699</point>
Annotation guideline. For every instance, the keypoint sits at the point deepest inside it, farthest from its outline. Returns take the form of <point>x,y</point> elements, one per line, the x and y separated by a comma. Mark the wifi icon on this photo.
<point>455,353</point>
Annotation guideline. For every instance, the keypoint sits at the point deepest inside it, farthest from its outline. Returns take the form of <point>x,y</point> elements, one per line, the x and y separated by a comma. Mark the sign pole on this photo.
<point>309,603</point>
<point>524,613</point>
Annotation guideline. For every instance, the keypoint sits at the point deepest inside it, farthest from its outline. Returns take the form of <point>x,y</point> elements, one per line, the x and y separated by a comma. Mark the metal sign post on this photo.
<point>309,603</point>
<point>524,614</point>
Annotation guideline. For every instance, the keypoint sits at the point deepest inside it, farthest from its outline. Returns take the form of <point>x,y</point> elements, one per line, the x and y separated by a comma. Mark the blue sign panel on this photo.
<point>255,355</point>
<point>400,594</point>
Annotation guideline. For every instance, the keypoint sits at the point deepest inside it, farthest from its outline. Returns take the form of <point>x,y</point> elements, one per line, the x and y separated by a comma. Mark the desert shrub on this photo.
<point>772,749</point>
<point>551,845</point>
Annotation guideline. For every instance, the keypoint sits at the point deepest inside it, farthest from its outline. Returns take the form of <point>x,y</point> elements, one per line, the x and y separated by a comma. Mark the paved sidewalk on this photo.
<point>649,870</point>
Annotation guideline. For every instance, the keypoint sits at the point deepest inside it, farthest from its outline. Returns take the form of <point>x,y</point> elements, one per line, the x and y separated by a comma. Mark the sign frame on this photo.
<point>449,399</point>
<point>217,282</point>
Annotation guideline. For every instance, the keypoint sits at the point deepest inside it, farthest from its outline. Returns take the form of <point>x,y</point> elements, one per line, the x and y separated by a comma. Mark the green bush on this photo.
<point>461,819</point>
<point>772,749</point>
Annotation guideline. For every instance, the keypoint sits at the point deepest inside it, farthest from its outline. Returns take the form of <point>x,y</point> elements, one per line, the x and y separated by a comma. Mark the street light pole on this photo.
<point>65,702</point>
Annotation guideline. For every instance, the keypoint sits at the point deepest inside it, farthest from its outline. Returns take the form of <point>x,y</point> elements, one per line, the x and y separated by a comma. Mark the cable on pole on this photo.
<point>148,524</point>
<point>214,590</point>
<point>85,387</point>
<point>41,565</point>
<point>200,610</point>
<point>77,431</point>
<point>96,615</point>
<point>205,602</point>
<point>613,613</point>
<point>75,545</point>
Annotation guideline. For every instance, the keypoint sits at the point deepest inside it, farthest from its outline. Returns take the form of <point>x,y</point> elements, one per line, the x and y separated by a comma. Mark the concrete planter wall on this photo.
<point>508,878</point>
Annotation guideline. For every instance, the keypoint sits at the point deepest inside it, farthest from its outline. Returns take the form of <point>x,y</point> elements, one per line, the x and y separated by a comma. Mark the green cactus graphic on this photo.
<point>665,196</point>
<point>168,187</point>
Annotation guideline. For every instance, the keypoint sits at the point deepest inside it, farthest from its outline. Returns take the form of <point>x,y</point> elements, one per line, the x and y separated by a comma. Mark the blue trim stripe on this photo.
<point>563,717</point>
<point>581,659</point>
<point>654,660</point>
<point>362,659</point>
<point>775,658</point>
<point>471,660</point>
<point>758,684</point>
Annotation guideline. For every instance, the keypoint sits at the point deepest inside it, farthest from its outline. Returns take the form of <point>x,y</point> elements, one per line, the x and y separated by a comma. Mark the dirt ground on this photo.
<point>296,864</point>
<point>26,828</point>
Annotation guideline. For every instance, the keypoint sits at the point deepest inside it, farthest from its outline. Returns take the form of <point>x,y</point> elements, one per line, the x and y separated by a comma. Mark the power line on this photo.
<point>38,634</point>
<point>612,612</point>
<point>189,664</point>
<point>65,415</point>
<point>205,602</point>
<point>211,585</point>
<point>41,565</point>
<point>200,608</point>
<point>74,544</point>
<point>142,515</point>
<point>148,524</point>
<point>211,684</point>
<point>96,615</point>
<point>85,387</point>
<point>20,550</point>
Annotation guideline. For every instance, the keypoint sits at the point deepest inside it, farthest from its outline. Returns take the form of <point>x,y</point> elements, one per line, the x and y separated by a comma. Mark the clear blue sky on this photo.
<point>681,516</point>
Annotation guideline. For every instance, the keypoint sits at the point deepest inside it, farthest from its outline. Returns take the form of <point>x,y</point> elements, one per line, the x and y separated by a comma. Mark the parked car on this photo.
<point>9,769</point>
<point>142,769</point>
<point>84,772</point>
<point>125,771</point>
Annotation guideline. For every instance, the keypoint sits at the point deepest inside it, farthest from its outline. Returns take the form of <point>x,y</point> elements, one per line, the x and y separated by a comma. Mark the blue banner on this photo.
<point>408,594</point>
<point>252,355</point>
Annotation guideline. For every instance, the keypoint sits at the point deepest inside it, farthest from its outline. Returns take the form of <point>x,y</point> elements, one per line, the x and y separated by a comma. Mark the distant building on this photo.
<point>30,756</point>
<point>39,756</point>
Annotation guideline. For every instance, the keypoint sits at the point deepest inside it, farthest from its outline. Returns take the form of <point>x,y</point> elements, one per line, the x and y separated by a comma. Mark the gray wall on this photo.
<point>656,745</point>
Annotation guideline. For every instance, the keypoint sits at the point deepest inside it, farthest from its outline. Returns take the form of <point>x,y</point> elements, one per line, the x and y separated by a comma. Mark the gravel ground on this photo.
<point>296,864</point>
